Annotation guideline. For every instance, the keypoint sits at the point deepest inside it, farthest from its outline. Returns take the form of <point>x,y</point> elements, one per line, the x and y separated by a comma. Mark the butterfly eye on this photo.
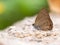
<point>36,27</point>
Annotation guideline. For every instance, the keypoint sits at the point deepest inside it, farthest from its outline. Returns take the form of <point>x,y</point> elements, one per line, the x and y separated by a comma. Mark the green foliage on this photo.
<point>15,10</point>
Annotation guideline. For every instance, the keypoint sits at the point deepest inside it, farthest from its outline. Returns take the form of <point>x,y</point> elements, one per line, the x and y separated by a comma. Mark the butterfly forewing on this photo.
<point>43,21</point>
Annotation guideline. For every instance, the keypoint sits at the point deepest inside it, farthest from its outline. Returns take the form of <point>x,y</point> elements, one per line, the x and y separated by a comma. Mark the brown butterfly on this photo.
<point>43,21</point>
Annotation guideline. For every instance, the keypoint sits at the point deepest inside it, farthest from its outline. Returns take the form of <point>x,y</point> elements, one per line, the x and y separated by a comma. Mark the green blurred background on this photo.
<point>12,11</point>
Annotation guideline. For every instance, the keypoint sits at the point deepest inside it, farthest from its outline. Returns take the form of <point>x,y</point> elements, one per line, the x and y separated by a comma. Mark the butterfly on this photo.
<point>43,21</point>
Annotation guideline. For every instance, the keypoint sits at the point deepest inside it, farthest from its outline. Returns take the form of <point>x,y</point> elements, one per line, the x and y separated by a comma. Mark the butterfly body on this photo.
<point>43,21</point>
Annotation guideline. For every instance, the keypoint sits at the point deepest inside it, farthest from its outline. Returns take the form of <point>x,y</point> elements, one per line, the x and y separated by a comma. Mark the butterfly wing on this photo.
<point>43,20</point>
